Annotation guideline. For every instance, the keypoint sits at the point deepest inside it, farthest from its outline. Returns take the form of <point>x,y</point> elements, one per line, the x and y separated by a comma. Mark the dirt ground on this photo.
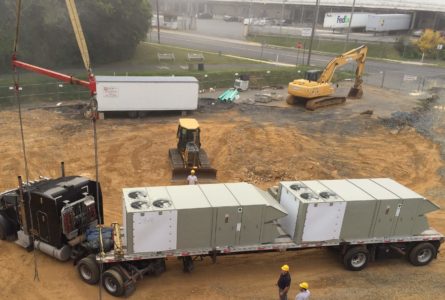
<point>257,144</point>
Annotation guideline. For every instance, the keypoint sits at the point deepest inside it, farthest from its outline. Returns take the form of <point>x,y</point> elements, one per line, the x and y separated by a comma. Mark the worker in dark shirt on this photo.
<point>284,282</point>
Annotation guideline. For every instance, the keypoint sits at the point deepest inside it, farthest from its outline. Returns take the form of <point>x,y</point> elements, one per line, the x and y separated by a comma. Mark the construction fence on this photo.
<point>404,82</point>
<point>47,92</point>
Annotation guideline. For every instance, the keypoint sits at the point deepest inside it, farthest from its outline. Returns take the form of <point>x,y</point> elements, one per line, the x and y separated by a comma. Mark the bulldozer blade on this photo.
<point>355,93</point>
<point>203,174</point>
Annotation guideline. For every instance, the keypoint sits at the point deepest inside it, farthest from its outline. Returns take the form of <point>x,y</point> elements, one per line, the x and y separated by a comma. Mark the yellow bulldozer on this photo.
<point>188,155</point>
<point>318,91</point>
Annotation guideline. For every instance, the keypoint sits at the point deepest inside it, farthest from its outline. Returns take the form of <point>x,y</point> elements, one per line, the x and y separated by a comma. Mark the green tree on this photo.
<point>429,41</point>
<point>112,28</point>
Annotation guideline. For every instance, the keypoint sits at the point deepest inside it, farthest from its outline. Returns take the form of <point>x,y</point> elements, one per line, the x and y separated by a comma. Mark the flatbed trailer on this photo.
<point>364,219</point>
<point>130,261</point>
<point>123,271</point>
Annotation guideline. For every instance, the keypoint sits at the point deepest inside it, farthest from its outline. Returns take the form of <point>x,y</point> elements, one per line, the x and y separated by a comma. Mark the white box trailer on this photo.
<point>334,20</point>
<point>388,22</point>
<point>138,94</point>
<point>364,219</point>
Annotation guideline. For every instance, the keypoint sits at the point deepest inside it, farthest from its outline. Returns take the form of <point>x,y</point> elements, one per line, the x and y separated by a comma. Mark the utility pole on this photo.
<point>159,26</point>
<point>317,6</point>
<point>282,14</point>
<point>349,26</point>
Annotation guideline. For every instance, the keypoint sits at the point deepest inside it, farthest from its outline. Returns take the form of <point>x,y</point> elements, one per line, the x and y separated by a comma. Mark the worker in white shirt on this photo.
<point>304,293</point>
<point>192,179</point>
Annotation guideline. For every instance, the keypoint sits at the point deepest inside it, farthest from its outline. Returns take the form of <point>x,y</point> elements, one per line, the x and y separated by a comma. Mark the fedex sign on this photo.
<point>343,20</point>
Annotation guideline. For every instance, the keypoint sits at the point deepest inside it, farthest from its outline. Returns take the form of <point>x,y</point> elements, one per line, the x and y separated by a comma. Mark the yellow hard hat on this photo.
<point>192,171</point>
<point>304,285</point>
<point>285,268</point>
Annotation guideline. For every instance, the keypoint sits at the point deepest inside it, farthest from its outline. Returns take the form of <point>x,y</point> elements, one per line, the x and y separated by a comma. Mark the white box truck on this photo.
<point>388,22</point>
<point>139,94</point>
<point>342,20</point>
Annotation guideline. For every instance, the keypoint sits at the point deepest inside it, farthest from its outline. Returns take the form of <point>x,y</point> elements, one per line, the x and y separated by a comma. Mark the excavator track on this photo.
<point>204,172</point>
<point>324,102</point>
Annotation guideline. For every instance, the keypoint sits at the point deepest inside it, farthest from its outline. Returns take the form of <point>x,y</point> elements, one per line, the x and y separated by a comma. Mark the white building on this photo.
<point>425,14</point>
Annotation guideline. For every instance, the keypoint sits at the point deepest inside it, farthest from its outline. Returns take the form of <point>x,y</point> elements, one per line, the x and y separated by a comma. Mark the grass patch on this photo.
<point>378,50</point>
<point>38,89</point>
<point>146,54</point>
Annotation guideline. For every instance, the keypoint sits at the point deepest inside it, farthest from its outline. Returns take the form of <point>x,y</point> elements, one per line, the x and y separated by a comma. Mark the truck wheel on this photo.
<point>5,228</point>
<point>89,269</point>
<point>113,282</point>
<point>356,259</point>
<point>422,254</point>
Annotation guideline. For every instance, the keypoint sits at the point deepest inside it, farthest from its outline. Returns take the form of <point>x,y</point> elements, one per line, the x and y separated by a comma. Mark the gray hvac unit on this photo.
<point>338,210</point>
<point>198,216</point>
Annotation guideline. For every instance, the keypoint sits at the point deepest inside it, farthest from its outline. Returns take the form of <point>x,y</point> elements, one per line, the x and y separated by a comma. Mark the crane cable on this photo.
<point>80,38</point>
<point>16,79</point>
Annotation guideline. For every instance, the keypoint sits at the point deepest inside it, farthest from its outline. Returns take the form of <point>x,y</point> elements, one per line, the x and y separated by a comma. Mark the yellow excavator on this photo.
<point>318,91</point>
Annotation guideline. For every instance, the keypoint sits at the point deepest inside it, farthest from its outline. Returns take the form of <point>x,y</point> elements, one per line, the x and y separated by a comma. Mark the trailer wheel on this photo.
<point>113,282</point>
<point>422,254</point>
<point>356,259</point>
<point>133,114</point>
<point>89,269</point>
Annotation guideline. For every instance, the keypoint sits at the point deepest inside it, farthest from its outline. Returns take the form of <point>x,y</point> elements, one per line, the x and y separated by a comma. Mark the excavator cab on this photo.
<point>188,155</point>
<point>313,75</point>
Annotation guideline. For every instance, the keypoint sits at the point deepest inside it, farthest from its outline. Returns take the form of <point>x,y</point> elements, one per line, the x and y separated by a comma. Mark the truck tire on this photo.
<point>88,269</point>
<point>5,228</point>
<point>356,258</point>
<point>422,254</point>
<point>113,282</point>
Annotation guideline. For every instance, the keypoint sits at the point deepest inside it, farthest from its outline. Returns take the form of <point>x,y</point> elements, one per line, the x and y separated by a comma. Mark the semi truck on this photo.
<point>138,94</point>
<point>341,20</point>
<point>388,22</point>
<point>363,219</point>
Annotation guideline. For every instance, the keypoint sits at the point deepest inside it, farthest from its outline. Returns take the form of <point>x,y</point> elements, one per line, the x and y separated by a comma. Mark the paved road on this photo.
<point>394,71</point>
<point>235,30</point>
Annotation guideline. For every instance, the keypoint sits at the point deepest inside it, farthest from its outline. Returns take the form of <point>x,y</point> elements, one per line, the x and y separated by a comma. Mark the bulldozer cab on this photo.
<point>313,75</point>
<point>188,133</point>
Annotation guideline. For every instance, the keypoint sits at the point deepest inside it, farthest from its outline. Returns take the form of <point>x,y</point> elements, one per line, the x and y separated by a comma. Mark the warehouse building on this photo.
<point>425,14</point>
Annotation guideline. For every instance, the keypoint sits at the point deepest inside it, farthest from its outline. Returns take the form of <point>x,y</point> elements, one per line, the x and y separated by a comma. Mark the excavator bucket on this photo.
<point>355,93</point>
<point>205,172</point>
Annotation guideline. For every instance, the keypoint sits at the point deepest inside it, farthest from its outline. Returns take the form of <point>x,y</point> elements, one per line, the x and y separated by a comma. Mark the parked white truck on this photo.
<point>139,94</point>
<point>388,22</point>
<point>341,20</point>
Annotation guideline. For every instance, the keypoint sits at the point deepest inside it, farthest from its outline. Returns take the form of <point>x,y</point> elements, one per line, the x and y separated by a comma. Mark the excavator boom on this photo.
<point>357,54</point>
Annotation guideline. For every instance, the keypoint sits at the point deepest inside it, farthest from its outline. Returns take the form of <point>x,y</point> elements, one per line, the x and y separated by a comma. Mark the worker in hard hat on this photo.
<point>192,179</point>
<point>284,282</point>
<point>304,293</point>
